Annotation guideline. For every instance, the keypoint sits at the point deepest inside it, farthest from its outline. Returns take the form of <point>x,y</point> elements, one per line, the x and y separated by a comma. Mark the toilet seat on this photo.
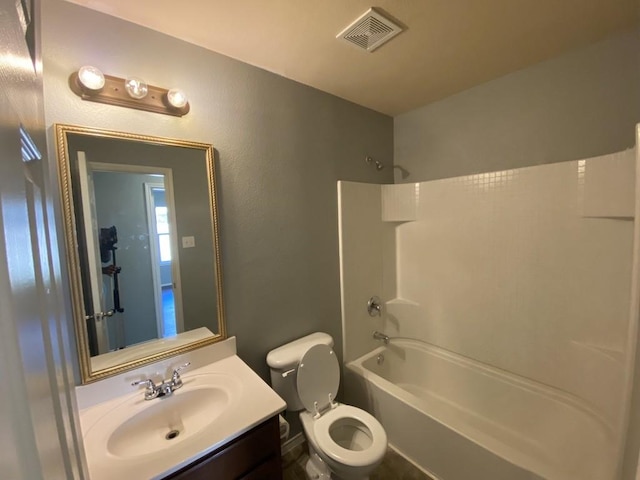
<point>353,458</point>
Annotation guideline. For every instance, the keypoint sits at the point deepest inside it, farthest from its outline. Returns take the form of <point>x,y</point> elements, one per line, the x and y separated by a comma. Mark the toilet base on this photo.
<point>317,469</point>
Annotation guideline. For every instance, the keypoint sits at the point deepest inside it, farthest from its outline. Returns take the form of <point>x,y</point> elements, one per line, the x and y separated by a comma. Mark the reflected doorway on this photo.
<point>159,227</point>
<point>136,205</point>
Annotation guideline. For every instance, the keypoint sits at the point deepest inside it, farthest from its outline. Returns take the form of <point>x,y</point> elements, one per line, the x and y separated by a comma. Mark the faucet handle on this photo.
<point>148,382</point>
<point>175,378</point>
<point>373,306</point>
<point>151,390</point>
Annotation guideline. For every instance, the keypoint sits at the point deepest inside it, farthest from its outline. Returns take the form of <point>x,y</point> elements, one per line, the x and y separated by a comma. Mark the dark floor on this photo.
<point>393,467</point>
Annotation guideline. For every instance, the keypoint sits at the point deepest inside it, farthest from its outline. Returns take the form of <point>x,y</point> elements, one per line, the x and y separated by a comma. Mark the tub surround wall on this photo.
<point>525,270</point>
<point>512,269</point>
<point>280,148</point>
<point>367,267</point>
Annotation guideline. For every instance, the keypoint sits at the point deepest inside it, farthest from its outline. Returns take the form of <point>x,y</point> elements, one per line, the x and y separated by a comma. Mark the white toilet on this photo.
<point>345,442</point>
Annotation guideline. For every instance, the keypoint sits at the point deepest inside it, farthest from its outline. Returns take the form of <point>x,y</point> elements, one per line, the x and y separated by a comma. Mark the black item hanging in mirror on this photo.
<point>108,240</point>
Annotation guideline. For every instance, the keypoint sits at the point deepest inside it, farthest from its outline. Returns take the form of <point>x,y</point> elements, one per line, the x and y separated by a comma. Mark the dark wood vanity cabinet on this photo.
<point>253,456</point>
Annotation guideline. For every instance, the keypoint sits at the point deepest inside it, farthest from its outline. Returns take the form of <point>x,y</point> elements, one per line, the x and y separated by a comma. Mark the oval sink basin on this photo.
<point>167,422</point>
<point>138,427</point>
<point>126,436</point>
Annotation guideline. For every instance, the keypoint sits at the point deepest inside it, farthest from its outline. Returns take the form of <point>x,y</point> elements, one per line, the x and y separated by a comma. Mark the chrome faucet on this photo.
<point>166,388</point>
<point>151,392</point>
<point>373,306</point>
<point>381,336</point>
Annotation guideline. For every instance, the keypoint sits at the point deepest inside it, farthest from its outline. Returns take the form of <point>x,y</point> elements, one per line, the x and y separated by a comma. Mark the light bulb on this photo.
<point>136,88</point>
<point>91,78</point>
<point>177,98</point>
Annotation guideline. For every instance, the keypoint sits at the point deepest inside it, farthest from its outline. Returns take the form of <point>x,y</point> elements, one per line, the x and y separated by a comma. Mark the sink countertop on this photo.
<point>253,402</point>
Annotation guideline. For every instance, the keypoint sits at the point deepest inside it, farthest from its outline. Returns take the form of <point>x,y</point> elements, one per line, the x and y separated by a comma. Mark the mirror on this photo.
<point>141,230</point>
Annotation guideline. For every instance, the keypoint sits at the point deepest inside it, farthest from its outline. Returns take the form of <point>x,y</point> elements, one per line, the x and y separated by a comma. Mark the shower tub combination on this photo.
<point>459,419</point>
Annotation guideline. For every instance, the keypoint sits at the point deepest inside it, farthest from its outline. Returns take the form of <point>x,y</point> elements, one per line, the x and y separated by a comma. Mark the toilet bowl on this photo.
<point>350,442</point>
<point>345,442</point>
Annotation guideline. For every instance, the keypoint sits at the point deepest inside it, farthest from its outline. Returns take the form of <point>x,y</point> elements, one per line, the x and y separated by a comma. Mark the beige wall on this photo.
<point>280,148</point>
<point>581,104</point>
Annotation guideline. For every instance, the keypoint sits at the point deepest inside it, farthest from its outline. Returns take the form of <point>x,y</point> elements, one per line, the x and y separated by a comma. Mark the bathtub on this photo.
<point>459,419</point>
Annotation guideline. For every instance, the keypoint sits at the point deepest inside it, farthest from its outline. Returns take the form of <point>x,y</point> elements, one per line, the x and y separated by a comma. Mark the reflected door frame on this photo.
<point>155,253</point>
<point>100,334</point>
<point>175,258</point>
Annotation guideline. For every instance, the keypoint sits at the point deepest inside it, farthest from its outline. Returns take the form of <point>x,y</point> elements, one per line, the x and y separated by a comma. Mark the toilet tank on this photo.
<point>283,362</point>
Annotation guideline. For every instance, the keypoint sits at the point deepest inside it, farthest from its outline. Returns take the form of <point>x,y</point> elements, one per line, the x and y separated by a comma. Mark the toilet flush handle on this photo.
<point>288,372</point>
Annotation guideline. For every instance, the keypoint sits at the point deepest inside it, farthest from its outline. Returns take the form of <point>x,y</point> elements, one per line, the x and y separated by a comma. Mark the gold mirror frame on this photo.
<point>73,255</point>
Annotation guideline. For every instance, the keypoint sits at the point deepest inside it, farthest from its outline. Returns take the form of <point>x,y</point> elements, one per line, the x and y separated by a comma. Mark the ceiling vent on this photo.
<point>370,31</point>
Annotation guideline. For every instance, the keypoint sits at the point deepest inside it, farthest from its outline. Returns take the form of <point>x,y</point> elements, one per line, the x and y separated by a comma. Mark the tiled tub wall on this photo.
<point>527,270</point>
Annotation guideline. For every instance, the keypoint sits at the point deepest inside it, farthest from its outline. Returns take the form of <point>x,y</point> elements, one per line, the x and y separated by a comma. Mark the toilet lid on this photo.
<point>318,376</point>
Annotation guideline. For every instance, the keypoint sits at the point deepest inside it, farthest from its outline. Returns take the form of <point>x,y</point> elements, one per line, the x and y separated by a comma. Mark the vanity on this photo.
<point>254,455</point>
<point>222,423</point>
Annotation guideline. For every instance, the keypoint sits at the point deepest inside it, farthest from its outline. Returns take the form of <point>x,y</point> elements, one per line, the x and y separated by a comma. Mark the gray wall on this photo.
<point>280,148</point>
<point>582,104</point>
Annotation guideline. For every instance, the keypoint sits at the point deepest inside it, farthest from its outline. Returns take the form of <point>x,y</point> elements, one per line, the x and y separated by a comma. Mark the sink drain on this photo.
<point>172,434</point>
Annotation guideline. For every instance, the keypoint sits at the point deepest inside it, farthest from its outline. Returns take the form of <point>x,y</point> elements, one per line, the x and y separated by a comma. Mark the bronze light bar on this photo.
<point>113,92</point>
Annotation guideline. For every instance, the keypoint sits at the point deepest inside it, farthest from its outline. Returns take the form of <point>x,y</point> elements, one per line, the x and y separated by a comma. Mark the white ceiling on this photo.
<point>449,45</point>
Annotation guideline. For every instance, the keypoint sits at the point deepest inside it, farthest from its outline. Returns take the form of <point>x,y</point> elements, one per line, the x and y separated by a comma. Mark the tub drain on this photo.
<point>171,435</point>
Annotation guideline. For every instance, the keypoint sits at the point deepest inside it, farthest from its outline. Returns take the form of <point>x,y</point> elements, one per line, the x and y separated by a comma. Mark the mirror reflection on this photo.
<point>134,268</point>
<point>143,252</point>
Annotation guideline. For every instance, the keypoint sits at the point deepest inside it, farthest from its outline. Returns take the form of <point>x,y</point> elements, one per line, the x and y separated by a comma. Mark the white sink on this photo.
<point>127,436</point>
<point>135,427</point>
<point>166,422</point>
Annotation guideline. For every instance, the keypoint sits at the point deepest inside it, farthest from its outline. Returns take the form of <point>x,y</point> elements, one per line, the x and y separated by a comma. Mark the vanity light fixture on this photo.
<point>136,88</point>
<point>91,78</point>
<point>89,83</point>
<point>177,98</point>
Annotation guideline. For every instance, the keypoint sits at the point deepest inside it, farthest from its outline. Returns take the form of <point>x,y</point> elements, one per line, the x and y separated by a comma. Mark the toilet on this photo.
<point>345,442</point>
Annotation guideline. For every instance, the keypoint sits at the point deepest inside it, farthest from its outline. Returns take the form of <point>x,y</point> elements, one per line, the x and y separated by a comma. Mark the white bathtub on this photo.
<point>462,420</point>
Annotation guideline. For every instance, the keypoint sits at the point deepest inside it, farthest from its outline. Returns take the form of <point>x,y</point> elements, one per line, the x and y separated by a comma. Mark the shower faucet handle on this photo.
<point>373,306</point>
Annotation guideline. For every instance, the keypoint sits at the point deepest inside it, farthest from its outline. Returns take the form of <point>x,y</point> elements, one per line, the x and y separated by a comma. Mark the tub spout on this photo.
<point>381,336</point>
